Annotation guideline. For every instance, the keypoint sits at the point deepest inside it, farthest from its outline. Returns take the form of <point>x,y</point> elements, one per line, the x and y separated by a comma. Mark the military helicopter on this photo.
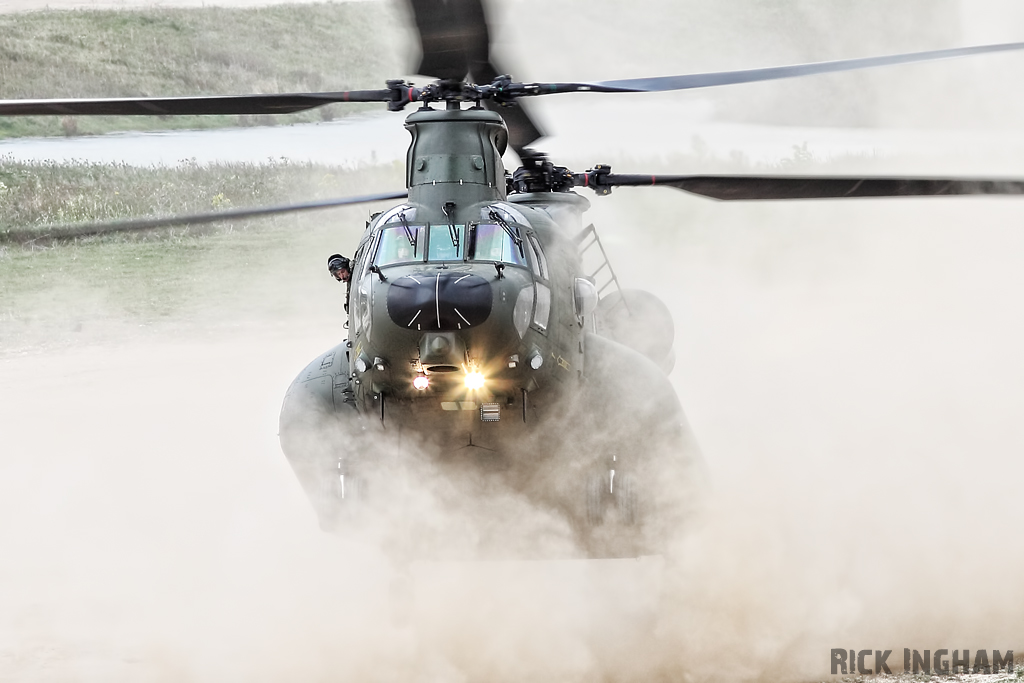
<point>478,338</point>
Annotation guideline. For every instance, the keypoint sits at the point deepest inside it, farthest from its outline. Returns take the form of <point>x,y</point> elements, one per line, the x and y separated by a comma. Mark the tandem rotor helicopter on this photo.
<point>477,338</point>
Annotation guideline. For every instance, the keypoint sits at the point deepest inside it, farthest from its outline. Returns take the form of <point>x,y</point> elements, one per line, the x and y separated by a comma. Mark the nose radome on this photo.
<point>439,301</point>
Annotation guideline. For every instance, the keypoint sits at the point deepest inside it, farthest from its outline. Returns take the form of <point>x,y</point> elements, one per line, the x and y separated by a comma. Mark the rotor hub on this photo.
<point>538,174</point>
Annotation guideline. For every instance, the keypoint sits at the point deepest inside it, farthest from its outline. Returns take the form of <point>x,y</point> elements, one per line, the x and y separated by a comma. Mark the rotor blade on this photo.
<point>140,224</point>
<point>729,188</point>
<point>523,130</point>
<point>167,106</point>
<point>453,35</point>
<point>456,42</point>
<point>706,80</point>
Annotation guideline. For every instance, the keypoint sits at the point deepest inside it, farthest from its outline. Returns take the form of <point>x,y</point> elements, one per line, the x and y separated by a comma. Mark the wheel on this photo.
<point>595,500</point>
<point>337,500</point>
<point>627,499</point>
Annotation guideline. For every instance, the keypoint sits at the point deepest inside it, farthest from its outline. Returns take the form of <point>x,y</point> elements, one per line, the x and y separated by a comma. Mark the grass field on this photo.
<point>172,52</point>
<point>89,288</point>
<point>38,194</point>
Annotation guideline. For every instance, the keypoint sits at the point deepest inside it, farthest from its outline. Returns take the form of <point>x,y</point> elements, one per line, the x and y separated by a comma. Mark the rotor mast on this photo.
<point>455,153</point>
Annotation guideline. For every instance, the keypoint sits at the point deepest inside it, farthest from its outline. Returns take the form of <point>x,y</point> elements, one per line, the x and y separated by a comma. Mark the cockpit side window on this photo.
<point>538,262</point>
<point>400,244</point>
<point>447,243</point>
<point>494,243</point>
<point>542,260</point>
<point>358,259</point>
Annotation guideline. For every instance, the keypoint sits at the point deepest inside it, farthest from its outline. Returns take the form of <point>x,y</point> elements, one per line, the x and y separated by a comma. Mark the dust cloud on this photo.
<point>852,372</point>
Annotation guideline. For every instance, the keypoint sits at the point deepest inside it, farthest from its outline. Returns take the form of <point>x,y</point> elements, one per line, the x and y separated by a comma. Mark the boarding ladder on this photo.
<point>598,260</point>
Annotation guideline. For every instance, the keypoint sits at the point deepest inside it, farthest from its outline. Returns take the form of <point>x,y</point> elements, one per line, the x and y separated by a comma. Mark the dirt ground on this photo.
<point>854,377</point>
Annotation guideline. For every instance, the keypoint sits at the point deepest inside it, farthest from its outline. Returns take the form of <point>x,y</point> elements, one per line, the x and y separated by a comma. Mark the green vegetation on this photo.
<point>177,52</point>
<point>34,194</point>
<point>205,277</point>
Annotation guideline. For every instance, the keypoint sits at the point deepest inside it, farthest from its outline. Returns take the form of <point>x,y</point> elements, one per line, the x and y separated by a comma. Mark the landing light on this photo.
<point>474,380</point>
<point>421,382</point>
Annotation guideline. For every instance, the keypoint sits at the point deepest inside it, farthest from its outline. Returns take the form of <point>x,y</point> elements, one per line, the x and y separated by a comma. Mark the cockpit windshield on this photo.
<point>406,243</point>
<point>447,242</point>
<point>494,243</point>
<point>400,244</point>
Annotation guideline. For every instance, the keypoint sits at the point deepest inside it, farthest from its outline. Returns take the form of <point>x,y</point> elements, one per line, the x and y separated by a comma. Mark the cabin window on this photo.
<point>543,310</point>
<point>521,313</point>
<point>400,244</point>
<point>494,243</point>
<point>447,243</point>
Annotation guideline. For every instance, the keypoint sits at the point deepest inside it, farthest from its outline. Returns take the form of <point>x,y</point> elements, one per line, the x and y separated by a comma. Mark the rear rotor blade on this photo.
<point>140,224</point>
<point>167,106</point>
<point>730,188</point>
<point>706,80</point>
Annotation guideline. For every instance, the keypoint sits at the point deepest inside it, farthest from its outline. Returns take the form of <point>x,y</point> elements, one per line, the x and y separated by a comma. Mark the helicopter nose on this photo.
<point>442,301</point>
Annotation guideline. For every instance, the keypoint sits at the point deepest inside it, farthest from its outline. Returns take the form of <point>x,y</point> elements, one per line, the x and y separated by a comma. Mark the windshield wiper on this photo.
<point>453,232</point>
<point>408,232</point>
<point>496,217</point>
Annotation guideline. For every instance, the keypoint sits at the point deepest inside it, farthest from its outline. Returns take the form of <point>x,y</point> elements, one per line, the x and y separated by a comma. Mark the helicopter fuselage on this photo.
<point>473,331</point>
<point>462,301</point>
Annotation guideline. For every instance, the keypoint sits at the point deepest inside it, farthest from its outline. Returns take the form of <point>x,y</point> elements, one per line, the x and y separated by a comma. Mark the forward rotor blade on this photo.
<point>730,188</point>
<point>168,106</point>
<point>140,224</point>
<point>456,41</point>
<point>453,35</point>
<point>523,130</point>
<point>707,80</point>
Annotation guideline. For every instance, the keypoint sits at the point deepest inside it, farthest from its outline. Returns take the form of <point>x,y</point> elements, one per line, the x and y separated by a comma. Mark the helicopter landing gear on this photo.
<point>612,492</point>
<point>627,500</point>
<point>338,499</point>
<point>595,501</point>
<point>612,519</point>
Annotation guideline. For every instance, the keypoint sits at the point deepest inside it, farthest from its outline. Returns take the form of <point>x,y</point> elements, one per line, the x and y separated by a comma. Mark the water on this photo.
<point>347,142</point>
<point>618,130</point>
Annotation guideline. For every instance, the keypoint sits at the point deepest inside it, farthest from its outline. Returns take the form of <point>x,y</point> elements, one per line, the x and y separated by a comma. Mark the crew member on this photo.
<point>341,268</point>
